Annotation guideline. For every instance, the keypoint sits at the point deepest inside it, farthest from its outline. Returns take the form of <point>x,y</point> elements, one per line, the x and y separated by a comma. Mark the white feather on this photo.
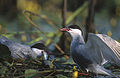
<point>40,53</point>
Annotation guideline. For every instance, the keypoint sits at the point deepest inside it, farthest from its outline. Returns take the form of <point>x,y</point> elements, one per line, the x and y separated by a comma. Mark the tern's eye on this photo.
<point>68,29</point>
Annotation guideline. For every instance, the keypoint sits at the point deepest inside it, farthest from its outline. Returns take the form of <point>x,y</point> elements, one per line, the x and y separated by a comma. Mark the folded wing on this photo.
<point>103,48</point>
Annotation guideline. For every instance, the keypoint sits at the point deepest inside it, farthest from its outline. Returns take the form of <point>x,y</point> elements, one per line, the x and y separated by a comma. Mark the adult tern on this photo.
<point>93,54</point>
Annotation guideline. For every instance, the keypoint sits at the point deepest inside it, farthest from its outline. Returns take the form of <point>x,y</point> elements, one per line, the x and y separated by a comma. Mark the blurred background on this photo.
<point>53,16</point>
<point>106,19</point>
<point>97,16</point>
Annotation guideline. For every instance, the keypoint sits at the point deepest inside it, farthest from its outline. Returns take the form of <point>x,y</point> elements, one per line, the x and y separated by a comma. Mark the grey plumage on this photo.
<point>18,50</point>
<point>104,48</point>
<point>98,50</point>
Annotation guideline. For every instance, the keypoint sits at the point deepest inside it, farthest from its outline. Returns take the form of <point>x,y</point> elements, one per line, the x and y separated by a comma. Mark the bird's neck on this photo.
<point>77,40</point>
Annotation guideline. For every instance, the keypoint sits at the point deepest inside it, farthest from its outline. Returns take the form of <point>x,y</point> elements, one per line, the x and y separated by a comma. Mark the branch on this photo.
<point>36,26</point>
<point>53,24</point>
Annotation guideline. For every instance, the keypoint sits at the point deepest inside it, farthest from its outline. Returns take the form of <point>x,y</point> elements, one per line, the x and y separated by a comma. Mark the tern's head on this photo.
<point>74,30</point>
<point>41,47</point>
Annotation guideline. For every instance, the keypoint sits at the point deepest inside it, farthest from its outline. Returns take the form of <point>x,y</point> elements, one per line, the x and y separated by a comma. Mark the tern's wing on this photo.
<point>102,47</point>
<point>14,49</point>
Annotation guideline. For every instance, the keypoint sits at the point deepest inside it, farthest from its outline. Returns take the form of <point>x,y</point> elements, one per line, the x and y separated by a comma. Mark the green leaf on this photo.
<point>30,73</point>
<point>78,11</point>
<point>61,76</point>
<point>50,34</point>
<point>36,40</point>
<point>3,70</point>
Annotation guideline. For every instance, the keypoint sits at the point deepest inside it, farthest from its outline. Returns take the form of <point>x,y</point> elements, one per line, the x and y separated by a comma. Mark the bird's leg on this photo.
<point>80,72</point>
<point>42,55</point>
<point>83,74</point>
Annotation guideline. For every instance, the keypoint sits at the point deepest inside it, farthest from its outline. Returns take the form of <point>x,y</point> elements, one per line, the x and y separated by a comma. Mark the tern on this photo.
<point>93,54</point>
<point>18,50</point>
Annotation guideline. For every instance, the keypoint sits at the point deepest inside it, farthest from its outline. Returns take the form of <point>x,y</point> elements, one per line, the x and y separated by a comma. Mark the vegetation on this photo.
<point>30,21</point>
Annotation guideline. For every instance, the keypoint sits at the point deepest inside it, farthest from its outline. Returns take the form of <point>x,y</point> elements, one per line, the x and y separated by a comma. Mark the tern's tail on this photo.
<point>102,70</point>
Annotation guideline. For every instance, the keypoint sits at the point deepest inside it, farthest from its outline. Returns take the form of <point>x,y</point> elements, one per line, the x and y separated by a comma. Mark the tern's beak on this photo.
<point>65,29</point>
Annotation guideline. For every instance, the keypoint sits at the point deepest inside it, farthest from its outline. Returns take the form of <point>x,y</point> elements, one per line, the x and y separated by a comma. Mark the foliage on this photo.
<point>78,11</point>
<point>36,68</point>
<point>30,73</point>
<point>49,20</point>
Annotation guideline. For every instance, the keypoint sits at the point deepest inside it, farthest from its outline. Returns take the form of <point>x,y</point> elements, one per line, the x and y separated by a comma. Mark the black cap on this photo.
<point>74,27</point>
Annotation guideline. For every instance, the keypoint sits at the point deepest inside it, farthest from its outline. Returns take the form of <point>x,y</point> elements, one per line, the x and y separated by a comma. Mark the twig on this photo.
<point>47,71</point>
<point>64,11</point>
<point>90,18</point>
<point>51,74</point>
<point>53,24</point>
<point>41,72</point>
<point>36,26</point>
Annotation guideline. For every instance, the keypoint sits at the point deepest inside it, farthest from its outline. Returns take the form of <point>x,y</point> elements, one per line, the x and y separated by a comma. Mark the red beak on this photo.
<point>65,29</point>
